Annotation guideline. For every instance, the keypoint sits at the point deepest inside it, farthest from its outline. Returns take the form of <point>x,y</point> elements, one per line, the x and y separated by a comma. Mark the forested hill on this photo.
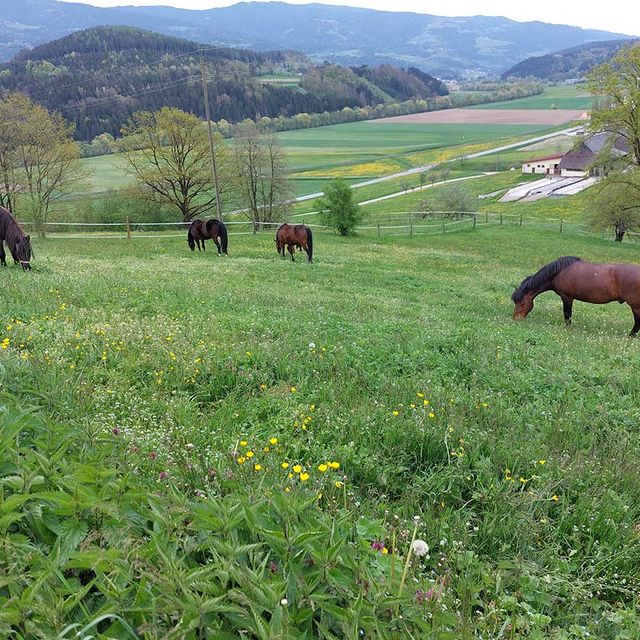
<point>98,77</point>
<point>575,62</point>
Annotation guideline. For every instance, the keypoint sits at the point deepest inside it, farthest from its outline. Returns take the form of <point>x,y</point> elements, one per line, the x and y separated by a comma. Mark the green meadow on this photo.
<point>558,97</point>
<point>203,447</point>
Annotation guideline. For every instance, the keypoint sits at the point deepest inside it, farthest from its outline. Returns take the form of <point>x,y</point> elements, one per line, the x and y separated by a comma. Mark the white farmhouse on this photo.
<point>545,166</point>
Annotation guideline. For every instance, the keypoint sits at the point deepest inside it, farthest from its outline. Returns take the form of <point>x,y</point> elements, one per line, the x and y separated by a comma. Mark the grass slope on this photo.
<point>152,365</point>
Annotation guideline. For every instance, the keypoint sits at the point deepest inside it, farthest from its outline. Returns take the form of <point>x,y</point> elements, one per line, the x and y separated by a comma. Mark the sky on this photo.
<point>619,16</point>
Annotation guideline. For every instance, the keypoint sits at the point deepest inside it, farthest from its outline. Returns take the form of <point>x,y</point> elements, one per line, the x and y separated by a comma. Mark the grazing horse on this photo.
<point>19,244</point>
<point>575,279</point>
<point>294,235</point>
<point>213,229</point>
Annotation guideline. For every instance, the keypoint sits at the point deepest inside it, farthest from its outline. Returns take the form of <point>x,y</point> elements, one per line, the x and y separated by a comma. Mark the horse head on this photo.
<point>22,252</point>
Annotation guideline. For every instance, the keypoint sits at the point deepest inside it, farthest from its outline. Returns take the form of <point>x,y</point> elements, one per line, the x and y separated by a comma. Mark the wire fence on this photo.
<point>378,225</point>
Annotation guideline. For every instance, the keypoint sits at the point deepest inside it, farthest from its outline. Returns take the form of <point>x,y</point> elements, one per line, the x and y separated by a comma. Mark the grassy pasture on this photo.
<point>145,367</point>
<point>562,96</point>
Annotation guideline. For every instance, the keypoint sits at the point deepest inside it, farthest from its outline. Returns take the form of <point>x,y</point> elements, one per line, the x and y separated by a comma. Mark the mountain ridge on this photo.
<point>442,46</point>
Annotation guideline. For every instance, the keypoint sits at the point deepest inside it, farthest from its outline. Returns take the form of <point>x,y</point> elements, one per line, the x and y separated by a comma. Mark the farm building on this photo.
<point>579,161</point>
<point>576,162</point>
<point>545,166</point>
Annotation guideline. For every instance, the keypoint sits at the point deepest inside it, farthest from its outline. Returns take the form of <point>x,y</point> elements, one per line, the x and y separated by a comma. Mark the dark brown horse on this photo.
<point>19,244</point>
<point>575,279</point>
<point>213,229</point>
<point>292,236</point>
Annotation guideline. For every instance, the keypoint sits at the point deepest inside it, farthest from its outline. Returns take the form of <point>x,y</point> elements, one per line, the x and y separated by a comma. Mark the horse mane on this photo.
<point>543,276</point>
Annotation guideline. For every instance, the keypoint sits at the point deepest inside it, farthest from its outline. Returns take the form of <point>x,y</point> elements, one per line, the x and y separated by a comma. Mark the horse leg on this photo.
<point>636,323</point>
<point>567,307</point>
<point>292,250</point>
<point>217,243</point>
<point>3,255</point>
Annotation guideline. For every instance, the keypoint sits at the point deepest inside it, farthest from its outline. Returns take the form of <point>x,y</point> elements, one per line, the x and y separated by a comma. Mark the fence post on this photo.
<point>378,231</point>
<point>486,217</point>
<point>500,219</point>
<point>520,219</point>
<point>127,224</point>
<point>560,225</point>
<point>410,227</point>
<point>474,220</point>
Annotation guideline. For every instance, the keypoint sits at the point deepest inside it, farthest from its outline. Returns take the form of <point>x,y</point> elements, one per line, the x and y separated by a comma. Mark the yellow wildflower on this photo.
<point>273,441</point>
<point>297,468</point>
<point>334,465</point>
<point>555,498</point>
<point>322,467</point>
<point>339,484</point>
<point>396,413</point>
<point>243,443</point>
<point>293,389</point>
<point>285,465</point>
<point>241,460</point>
<point>250,454</point>
<point>257,467</point>
<point>304,477</point>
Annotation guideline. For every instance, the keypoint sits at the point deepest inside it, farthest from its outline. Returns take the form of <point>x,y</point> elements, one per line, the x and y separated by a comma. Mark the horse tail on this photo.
<point>310,244</point>
<point>224,238</point>
<point>190,241</point>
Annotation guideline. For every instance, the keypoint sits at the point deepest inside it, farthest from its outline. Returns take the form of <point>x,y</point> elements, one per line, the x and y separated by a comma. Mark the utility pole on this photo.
<point>214,170</point>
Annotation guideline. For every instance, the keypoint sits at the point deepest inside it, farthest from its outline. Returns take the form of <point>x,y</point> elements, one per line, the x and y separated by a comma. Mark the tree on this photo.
<point>618,81</point>
<point>263,184</point>
<point>39,160</point>
<point>616,204</point>
<point>448,200</point>
<point>616,84</point>
<point>338,209</point>
<point>168,154</point>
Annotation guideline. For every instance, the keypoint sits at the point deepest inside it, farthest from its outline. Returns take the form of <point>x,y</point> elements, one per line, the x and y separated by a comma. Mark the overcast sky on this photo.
<point>620,16</point>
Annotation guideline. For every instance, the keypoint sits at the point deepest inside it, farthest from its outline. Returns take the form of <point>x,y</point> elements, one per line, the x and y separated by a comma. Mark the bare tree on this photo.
<point>264,187</point>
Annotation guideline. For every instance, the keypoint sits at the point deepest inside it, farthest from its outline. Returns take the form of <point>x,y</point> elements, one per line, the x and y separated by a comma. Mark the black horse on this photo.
<point>213,229</point>
<point>19,244</point>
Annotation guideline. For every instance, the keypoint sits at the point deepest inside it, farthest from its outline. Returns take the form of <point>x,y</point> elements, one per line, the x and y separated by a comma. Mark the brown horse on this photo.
<point>575,279</point>
<point>19,244</point>
<point>213,229</point>
<point>294,235</point>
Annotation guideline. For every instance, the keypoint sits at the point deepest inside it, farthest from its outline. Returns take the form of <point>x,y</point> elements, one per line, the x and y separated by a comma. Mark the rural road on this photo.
<point>425,167</point>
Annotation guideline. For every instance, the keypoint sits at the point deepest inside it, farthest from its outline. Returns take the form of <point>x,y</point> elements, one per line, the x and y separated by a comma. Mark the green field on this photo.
<point>562,96</point>
<point>135,378</point>
<point>355,151</point>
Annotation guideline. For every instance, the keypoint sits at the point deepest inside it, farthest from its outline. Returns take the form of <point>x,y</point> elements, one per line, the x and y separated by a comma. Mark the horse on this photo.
<point>19,244</point>
<point>298,235</point>
<point>576,279</point>
<point>213,229</point>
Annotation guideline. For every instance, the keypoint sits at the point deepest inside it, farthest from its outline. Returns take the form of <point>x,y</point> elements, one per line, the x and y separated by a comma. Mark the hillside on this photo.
<point>98,77</point>
<point>575,62</point>
<point>445,47</point>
